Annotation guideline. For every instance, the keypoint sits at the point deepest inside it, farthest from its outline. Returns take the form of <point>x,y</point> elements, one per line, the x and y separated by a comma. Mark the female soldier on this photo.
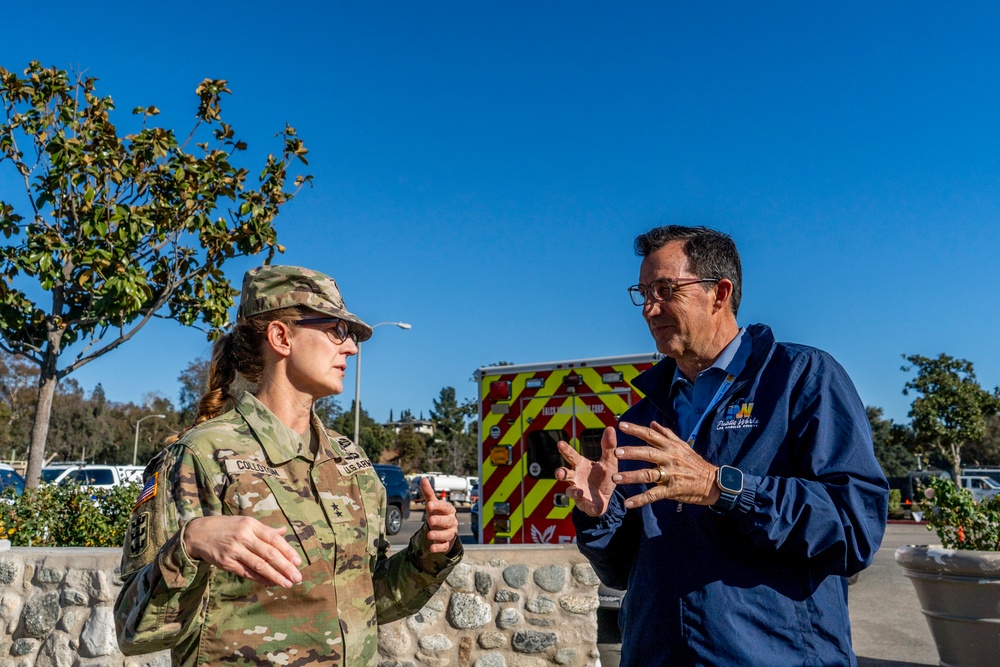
<point>258,536</point>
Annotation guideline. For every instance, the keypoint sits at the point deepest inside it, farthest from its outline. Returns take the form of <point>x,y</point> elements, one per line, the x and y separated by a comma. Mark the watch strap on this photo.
<point>728,497</point>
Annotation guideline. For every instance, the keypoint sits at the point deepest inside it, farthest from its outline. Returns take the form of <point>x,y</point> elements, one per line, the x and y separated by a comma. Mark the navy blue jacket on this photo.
<point>766,583</point>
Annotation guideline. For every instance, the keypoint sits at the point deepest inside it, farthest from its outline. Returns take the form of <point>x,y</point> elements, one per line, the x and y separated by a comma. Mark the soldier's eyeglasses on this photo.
<point>338,333</point>
<point>662,290</point>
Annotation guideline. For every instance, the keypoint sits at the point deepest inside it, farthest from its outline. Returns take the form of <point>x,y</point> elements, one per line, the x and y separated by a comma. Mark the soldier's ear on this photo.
<point>279,337</point>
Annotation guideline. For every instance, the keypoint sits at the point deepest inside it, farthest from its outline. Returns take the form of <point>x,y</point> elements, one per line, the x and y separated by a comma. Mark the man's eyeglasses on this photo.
<point>662,290</point>
<point>338,333</point>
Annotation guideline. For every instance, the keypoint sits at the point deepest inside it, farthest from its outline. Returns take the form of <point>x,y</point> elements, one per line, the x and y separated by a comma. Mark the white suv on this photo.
<point>981,486</point>
<point>90,476</point>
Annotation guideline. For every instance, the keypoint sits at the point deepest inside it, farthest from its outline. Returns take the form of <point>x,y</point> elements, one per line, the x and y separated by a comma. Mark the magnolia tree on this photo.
<point>116,230</point>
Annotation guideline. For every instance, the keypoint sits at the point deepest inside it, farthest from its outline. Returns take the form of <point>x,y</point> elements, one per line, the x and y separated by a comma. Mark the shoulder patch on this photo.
<point>348,456</point>
<point>350,450</point>
<point>149,490</point>
<point>138,534</point>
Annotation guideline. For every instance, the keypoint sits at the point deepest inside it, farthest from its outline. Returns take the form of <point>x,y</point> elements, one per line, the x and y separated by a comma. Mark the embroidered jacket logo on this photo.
<point>738,415</point>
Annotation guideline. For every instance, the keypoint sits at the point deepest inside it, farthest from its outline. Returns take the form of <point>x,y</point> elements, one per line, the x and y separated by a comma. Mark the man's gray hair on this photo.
<point>710,253</point>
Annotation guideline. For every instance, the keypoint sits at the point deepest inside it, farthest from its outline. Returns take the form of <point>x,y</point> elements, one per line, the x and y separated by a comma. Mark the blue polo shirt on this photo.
<point>691,400</point>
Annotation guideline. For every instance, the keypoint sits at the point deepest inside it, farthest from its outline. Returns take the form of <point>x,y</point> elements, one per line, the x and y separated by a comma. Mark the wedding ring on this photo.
<point>663,474</point>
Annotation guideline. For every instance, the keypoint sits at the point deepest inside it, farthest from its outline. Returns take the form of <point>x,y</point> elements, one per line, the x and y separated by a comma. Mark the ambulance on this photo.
<point>524,410</point>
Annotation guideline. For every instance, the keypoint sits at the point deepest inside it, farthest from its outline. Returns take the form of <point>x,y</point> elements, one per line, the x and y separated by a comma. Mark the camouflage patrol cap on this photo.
<point>272,287</point>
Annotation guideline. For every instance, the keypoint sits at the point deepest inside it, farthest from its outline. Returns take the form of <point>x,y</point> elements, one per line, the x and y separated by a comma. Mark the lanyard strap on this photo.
<point>730,378</point>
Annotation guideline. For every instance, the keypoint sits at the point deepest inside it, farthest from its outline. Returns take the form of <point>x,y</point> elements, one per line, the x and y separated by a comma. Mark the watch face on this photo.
<point>730,479</point>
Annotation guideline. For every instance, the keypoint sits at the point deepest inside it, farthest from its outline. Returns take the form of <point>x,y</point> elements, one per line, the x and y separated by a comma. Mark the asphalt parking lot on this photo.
<point>888,627</point>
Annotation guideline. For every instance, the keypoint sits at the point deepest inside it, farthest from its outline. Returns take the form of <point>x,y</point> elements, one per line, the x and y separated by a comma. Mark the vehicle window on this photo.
<point>100,476</point>
<point>77,476</point>
<point>590,443</point>
<point>10,478</point>
<point>543,455</point>
<point>50,474</point>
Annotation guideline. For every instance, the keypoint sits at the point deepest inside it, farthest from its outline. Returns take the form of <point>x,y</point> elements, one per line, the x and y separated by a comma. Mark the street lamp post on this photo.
<point>135,448</point>
<point>357,383</point>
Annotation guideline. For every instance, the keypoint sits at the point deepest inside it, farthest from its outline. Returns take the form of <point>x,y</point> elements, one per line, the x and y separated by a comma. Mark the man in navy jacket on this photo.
<point>736,498</point>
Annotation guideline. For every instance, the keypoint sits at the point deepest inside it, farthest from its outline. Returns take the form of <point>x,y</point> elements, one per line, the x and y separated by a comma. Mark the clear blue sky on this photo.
<point>481,168</point>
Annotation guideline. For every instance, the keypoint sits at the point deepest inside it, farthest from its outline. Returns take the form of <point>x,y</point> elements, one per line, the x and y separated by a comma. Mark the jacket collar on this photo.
<point>655,383</point>
<point>280,443</point>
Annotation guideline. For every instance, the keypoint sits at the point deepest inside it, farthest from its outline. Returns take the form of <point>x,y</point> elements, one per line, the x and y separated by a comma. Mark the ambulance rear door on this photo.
<point>580,420</point>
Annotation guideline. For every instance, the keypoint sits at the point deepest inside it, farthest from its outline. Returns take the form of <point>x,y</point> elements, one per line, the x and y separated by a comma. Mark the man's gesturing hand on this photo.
<point>442,524</point>
<point>244,546</point>
<point>678,472</point>
<point>591,485</point>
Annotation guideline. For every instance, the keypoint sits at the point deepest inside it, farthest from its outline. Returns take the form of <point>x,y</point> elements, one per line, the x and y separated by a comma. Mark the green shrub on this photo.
<point>959,521</point>
<point>68,516</point>
<point>895,502</point>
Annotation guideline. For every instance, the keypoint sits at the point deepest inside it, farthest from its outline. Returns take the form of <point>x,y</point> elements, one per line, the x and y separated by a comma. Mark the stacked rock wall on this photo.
<point>503,606</point>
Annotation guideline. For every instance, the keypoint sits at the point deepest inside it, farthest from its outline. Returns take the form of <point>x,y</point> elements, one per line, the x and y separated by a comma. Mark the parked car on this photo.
<point>982,487</point>
<point>91,475</point>
<point>131,473</point>
<point>993,472</point>
<point>474,519</point>
<point>397,491</point>
<point>10,478</point>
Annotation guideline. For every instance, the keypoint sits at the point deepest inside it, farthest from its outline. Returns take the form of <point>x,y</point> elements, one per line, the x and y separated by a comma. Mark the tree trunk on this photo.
<point>47,381</point>
<point>956,462</point>
<point>40,429</point>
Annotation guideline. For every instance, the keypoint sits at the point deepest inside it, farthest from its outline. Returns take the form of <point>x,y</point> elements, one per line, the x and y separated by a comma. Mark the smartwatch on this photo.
<point>730,482</point>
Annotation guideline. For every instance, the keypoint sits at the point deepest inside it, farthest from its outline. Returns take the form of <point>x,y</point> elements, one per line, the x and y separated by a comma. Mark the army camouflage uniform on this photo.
<point>247,462</point>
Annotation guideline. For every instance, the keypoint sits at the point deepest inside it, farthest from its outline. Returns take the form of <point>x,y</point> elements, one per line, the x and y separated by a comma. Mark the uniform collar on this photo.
<point>280,443</point>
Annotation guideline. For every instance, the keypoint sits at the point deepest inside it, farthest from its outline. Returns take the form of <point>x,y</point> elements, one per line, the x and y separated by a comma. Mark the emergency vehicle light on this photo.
<point>572,380</point>
<point>500,455</point>
<point>500,390</point>
<point>534,383</point>
<point>501,509</point>
<point>501,525</point>
<point>612,378</point>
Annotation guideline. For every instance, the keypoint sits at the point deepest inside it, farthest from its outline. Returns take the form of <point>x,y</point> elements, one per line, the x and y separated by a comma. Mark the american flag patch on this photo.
<point>148,491</point>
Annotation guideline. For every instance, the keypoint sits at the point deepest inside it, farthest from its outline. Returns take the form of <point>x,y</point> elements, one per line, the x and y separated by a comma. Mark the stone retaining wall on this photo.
<point>504,606</point>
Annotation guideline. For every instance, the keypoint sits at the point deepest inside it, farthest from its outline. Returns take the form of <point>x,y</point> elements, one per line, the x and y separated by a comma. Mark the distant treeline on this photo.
<point>89,427</point>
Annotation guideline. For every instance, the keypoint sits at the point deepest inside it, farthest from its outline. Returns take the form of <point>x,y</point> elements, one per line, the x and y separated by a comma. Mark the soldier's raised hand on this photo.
<point>244,546</point>
<point>591,485</point>
<point>442,524</point>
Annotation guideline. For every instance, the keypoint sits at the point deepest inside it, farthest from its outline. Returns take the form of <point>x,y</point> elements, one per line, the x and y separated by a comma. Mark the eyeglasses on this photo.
<point>662,290</point>
<point>338,333</point>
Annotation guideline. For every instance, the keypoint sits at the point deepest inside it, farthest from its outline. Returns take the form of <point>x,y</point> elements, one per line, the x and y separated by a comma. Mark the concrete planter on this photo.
<point>959,593</point>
